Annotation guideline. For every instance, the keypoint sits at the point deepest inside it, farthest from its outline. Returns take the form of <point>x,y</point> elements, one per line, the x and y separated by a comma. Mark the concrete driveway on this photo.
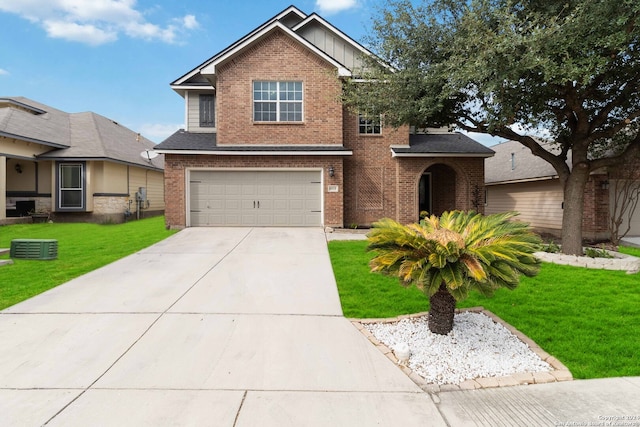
<point>213,326</point>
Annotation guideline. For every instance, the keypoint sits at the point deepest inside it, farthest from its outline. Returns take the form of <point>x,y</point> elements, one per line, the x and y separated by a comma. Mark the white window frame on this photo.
<point>80,189</point>
<point>277,100</point>
<point>369,124</point>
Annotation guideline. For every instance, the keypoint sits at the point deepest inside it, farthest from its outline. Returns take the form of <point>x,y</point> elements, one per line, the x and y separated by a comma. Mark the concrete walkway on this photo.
<point>213,326</point>
<point>238,327</point>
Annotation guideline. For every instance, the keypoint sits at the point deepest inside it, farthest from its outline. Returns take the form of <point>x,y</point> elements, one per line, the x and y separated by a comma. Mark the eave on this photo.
<point>244,152</point>
<point>32,140</point>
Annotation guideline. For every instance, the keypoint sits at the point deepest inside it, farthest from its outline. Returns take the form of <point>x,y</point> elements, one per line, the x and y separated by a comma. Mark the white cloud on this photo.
<point>96,22</point>
<point>334,6</point>
<point>157,132</point>
<point>3,72</point>
<point>83,33</point>
<point>190,22</point>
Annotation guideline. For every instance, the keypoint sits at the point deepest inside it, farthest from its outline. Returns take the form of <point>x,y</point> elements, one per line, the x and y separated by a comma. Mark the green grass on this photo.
<point>81,248</point>
<point>629,251</point>
<point>588,319</point>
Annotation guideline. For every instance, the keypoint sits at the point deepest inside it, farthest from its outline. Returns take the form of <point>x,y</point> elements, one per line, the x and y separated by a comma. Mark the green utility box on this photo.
<point>45,249</point>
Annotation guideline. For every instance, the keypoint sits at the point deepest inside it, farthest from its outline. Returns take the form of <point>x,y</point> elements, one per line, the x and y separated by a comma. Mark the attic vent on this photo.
<point>44,249</point>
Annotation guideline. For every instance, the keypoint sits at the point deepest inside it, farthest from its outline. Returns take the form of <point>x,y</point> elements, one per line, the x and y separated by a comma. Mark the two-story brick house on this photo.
<point>268,142</point>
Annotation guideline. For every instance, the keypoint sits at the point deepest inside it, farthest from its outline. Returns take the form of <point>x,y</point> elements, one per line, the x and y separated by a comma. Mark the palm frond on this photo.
<point>463,250</point>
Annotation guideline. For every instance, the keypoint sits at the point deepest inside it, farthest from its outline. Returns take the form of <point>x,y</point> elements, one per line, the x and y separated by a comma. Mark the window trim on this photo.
<point>369,124</point>
<point>278,102</point>
<point>82,189</point>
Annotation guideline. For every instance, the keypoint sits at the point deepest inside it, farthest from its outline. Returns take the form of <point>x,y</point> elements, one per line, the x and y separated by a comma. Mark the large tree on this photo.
<point>569,68</point>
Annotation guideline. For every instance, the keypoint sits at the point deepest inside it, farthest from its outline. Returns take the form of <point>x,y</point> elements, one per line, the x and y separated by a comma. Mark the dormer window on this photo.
<point>277,101</point>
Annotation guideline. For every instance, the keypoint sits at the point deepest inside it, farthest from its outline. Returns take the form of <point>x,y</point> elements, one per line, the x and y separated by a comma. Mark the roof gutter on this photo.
<point>34,140</point>
<point>256,153</point>
<point>432,155</point>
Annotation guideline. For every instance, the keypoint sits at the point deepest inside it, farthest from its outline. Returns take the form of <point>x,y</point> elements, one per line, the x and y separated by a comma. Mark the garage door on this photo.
<point>255,198</point>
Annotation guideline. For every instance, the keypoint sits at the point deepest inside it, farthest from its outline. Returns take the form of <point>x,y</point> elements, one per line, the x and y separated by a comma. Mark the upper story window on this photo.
<point>367,126</point>
<point>207,111</point>
<point>277,101</point>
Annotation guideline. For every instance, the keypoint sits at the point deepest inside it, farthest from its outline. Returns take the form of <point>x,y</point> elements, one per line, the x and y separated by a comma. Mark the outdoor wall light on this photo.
<point>18,168</point>
<point>332,172</point>
<point>604,185</point>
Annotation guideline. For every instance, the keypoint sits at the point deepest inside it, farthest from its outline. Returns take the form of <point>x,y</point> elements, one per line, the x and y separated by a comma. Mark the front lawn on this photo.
<point>81,248</point>
<point>588,319</point>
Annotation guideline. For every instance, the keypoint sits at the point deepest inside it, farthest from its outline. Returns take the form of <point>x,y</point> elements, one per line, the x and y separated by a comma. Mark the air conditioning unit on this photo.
<point>45,249</point>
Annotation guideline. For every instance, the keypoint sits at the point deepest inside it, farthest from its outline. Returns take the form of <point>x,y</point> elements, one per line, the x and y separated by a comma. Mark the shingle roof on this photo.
<point>79,136</point>
<point>524,165</point>
<point>34,122</point>
<point>183,140</point>
<point>452,144</point>
<point>207,142</point>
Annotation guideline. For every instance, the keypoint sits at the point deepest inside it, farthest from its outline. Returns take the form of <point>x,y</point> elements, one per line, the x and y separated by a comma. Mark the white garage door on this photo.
<point>255,198</point>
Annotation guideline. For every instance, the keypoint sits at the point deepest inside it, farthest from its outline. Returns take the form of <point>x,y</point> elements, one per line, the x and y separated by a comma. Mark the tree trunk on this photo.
<point>573,210</point>
<point>441,311</point>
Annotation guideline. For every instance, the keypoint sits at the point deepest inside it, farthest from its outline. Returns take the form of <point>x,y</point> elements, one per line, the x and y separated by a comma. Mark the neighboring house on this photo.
<point>268,143</point>
<point>516,180</point>
<point>76,167</point>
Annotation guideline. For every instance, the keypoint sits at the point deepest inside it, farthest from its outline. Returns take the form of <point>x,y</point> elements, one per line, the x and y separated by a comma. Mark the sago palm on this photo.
<point>450,255</point>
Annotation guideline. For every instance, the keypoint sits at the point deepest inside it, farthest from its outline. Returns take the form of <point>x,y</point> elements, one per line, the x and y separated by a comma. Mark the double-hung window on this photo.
<point>71,186</point>
<point>277,101</point>
<point>369,126</point>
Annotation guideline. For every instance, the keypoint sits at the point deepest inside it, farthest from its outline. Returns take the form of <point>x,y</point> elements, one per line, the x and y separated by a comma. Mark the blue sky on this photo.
<point>117,57</point>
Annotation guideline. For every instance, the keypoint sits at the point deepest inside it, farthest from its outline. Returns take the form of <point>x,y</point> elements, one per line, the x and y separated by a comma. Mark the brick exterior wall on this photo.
<point>367,199</point>
<point>448,173</point>
<point>176,187</point>
<point>595,216</point>
<point>277,57</point>
<point>372,184</point>
<point>396,188</point>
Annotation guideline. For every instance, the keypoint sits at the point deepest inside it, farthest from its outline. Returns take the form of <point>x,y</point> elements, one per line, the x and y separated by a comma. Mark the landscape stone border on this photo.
<point>559,372</point>
<point>620,261</point>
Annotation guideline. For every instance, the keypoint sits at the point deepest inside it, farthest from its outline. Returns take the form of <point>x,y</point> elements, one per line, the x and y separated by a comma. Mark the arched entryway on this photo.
<point>437,189</point>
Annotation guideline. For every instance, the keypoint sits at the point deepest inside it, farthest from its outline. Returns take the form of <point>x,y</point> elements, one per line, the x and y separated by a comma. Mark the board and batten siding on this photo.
<point>332,45</point>
<point>193,111</point>
<point>539,203</point>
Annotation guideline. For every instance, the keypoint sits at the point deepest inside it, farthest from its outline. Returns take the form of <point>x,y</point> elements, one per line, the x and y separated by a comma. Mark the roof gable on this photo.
<point>287,16</point>
<point>210,69</point>
<point>292,22</point>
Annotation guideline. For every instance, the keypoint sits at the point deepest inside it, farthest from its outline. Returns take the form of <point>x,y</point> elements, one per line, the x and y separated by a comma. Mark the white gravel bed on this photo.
<point>476,347</point>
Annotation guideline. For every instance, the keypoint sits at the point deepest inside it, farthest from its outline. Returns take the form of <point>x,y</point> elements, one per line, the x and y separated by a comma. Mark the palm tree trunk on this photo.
<point>441,311</point>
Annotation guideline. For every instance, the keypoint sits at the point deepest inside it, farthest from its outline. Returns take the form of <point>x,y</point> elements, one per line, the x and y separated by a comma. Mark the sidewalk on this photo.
<point>600,402</point>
